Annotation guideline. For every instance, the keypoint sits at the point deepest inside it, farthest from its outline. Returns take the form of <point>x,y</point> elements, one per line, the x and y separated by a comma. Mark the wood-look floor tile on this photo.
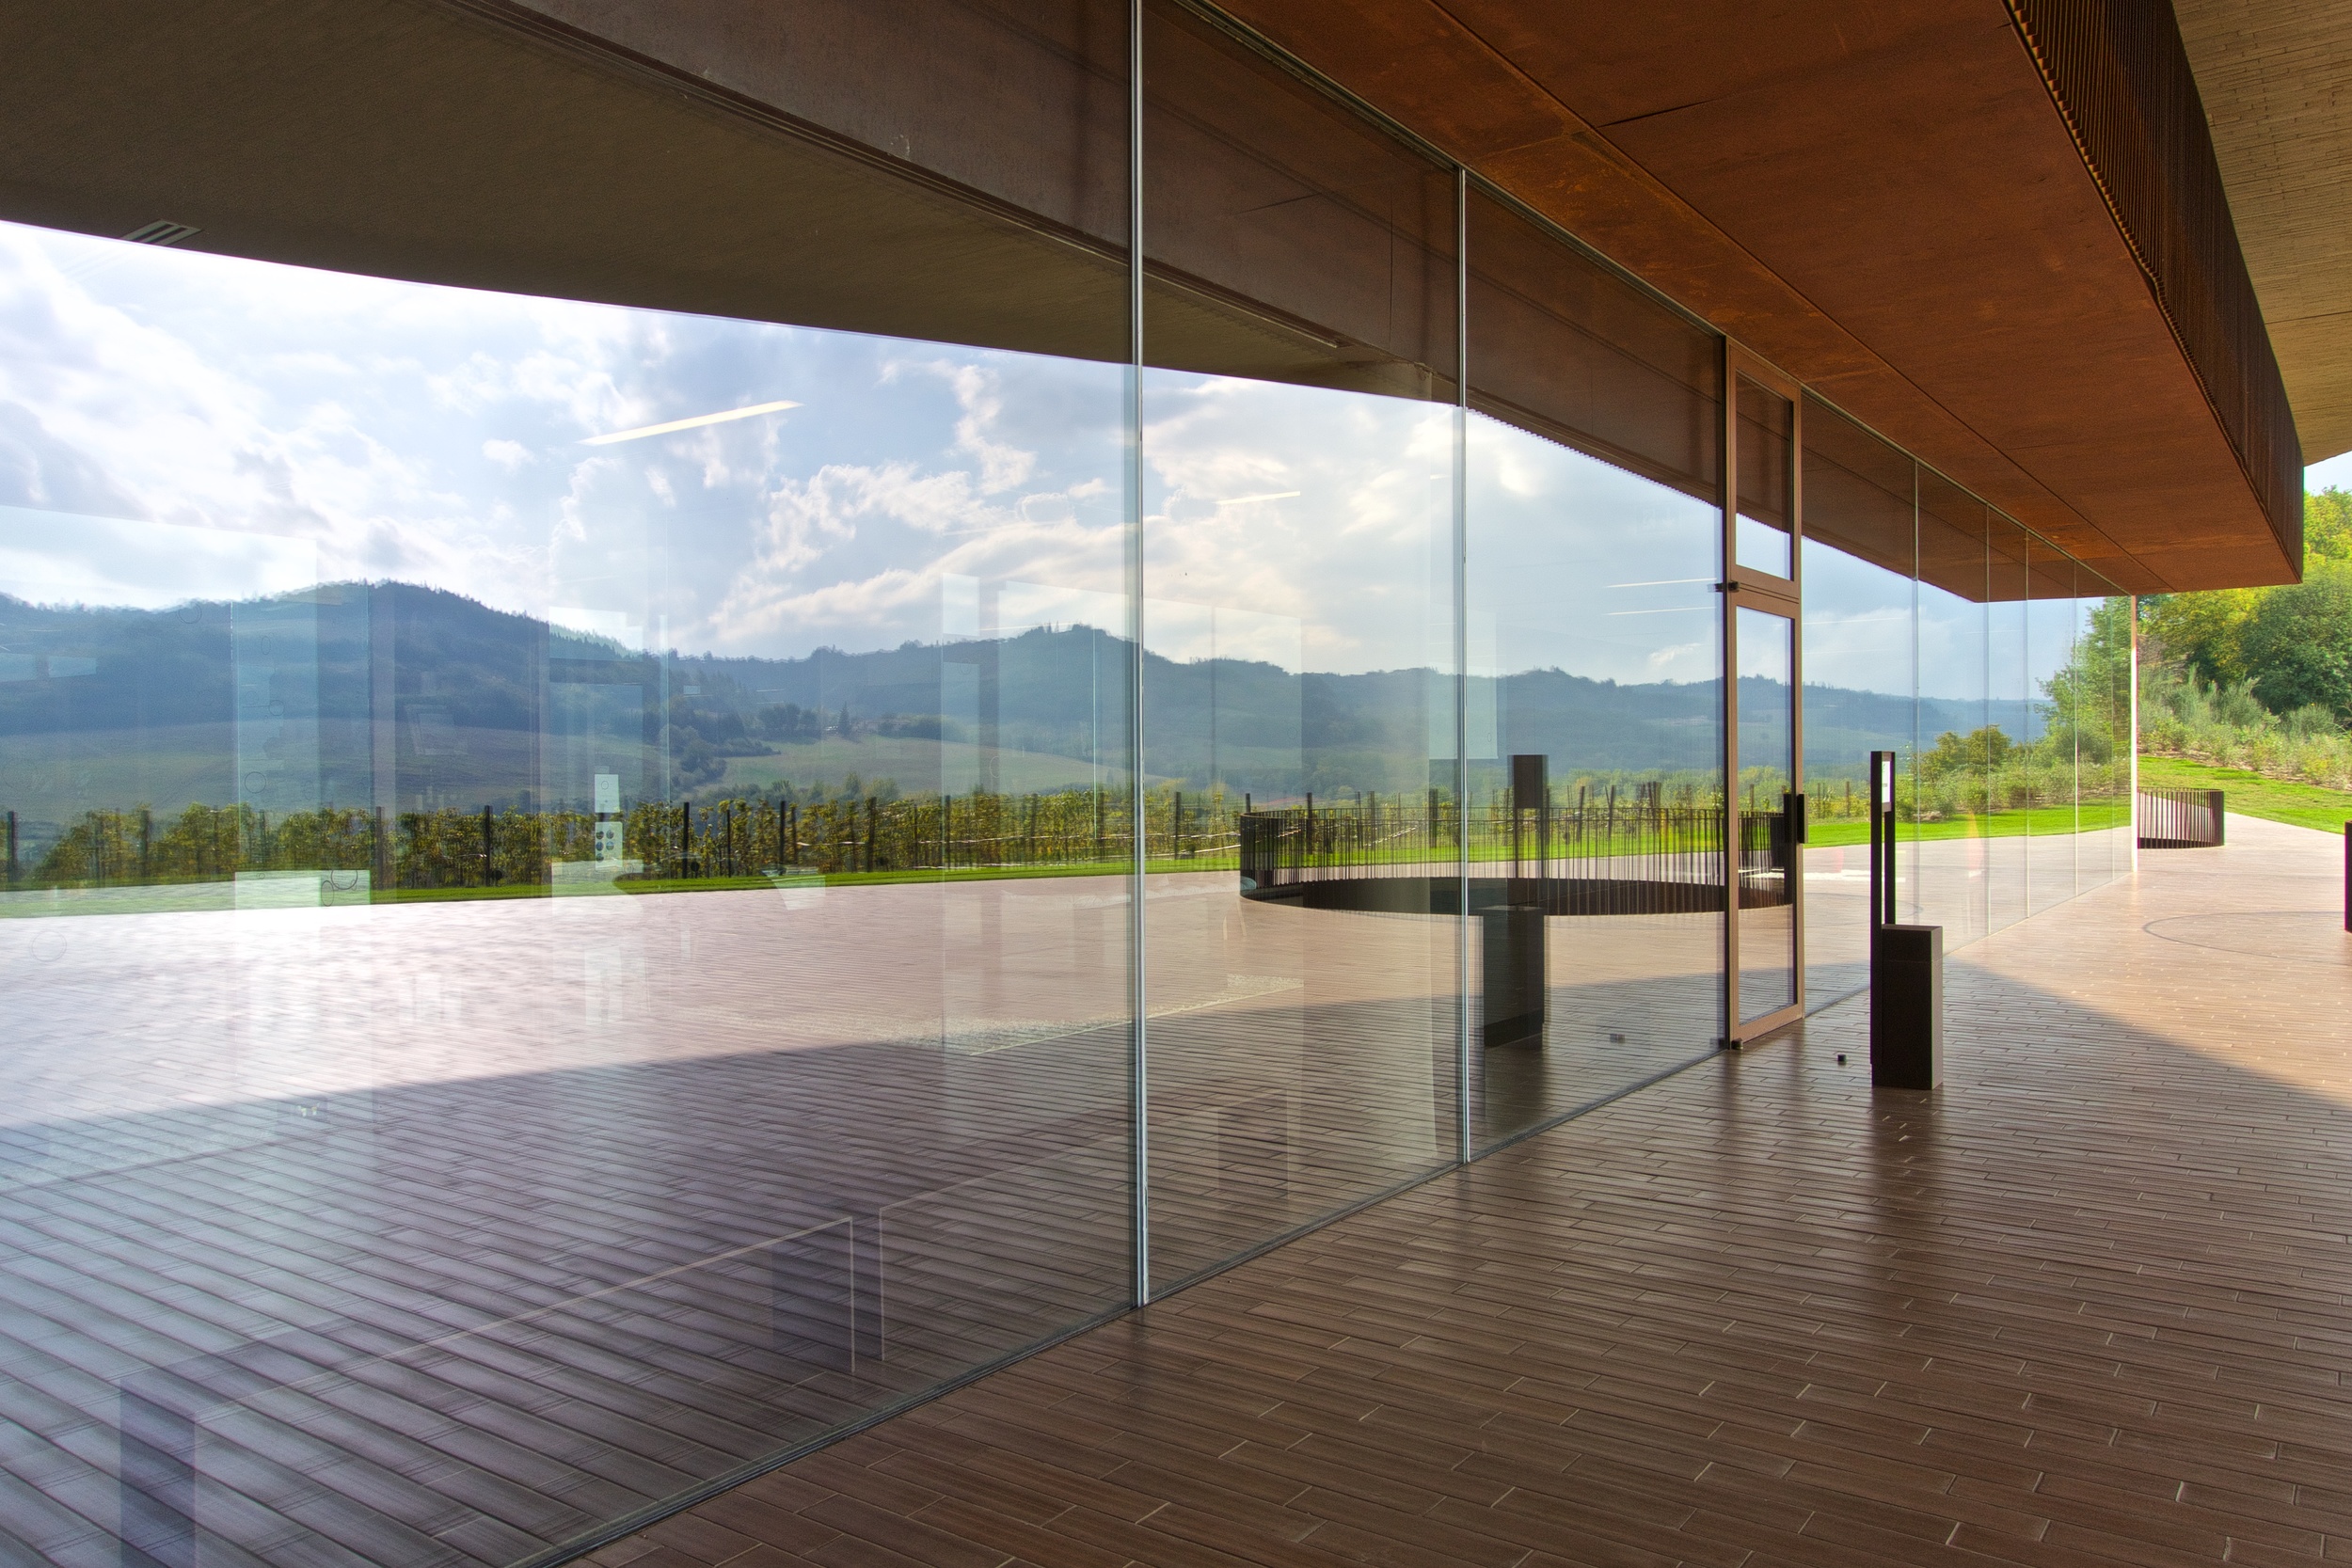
<point>2088,1304</point>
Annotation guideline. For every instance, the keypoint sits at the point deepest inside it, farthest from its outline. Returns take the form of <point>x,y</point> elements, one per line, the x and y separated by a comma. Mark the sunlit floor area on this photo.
<point>2090,1302</point>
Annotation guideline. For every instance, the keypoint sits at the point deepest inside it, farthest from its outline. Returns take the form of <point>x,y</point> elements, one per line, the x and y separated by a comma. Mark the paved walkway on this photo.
<point>2089,1304</point>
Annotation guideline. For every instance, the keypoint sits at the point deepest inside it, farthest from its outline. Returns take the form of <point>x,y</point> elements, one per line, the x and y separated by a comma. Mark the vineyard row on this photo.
<point>678,841</point>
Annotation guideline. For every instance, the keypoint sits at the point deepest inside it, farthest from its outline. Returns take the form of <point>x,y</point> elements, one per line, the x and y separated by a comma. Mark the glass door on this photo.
<point>1768,809</point>
<point>1763,821</point>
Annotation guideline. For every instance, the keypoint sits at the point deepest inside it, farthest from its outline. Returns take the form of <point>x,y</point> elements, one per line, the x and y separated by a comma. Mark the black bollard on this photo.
<point>1906,963</point>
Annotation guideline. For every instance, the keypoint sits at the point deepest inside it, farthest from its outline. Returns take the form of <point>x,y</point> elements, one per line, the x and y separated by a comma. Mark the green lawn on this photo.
<point>2299,806</point>
<point>2040,822</point>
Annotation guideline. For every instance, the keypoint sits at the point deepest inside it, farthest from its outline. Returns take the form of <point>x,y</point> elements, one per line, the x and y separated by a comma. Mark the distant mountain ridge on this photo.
<point>333,659</point>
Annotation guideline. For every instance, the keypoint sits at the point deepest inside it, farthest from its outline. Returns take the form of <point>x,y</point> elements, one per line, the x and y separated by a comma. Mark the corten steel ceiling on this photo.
<point>2276,77</point>
<point>1878,195</point>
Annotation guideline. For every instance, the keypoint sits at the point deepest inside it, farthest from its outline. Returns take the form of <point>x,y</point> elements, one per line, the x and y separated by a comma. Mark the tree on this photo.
<point>2090,694</point>
<point>2297,643</point>
<point>2326,526</point>
<point>2205,631</point>
<point>2208,631</point>
<point>1981,752</point>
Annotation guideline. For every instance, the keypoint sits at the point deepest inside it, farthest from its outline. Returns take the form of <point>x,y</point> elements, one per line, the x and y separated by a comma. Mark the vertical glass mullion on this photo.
<point>1139,1082</point>
<point>1461,667</point>
<point>1918,730</point>
<point>1728,672</point>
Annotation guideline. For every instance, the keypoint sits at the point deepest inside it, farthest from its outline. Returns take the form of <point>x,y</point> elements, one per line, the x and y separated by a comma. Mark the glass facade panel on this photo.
<point>553,796</point>
<point>1299,466</point>
<point>2051,842</point>
<point>2103,747</point>
<point>1595,755</point>
<point>1951,789</point>
<point>2012,716</point>
<point>572,916</point>
<point>1860,553</point>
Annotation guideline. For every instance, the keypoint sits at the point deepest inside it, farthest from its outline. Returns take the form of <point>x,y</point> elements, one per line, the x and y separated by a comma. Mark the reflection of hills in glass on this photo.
<point>339,693</point>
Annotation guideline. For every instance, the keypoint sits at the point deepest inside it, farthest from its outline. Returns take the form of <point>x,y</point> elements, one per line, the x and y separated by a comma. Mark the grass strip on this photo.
<point>2249,794</point>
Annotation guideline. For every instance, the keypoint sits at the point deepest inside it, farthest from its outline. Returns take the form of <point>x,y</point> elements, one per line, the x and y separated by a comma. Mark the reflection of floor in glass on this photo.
<point>1766,954</point>
<point>1270,1112</point>
<point>1630,997</point>
<point>441,1233</point>
<point>1944,881</point>
<point>438,1233</point>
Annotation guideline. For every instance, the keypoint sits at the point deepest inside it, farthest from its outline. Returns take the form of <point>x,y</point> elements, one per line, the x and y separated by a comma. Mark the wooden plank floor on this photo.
<point>2089,1304</point>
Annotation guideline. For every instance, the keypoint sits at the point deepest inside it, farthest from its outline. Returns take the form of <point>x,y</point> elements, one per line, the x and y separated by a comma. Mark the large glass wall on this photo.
<point>1949,824</point>
<point>2052,831</point>
<point>1595,738</point>
<point>2012,723</point>
<point>2103,678</point>
<point>588,899</point>
<point>1860,557</point>
<point>527,988</point>
<point>1298,464</point>
<point>1940,631</point>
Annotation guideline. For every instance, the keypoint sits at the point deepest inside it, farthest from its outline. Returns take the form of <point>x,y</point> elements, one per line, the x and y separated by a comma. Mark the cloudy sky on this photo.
<point>178,425</point>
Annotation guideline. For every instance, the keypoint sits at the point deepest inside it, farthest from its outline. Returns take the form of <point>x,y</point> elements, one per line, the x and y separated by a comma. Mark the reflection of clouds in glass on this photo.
<point>2048,646</point>
<point>1952,647</point>
<point>1857,623</point>
<point>1027,606</point>
<point>59,559</point>
<point>1866,652</point>
<point>1858,634</point>
<point>435,436</point>
<point>1588,568</point>
<point>1316,521</point>
<point>1186,632</point>
<point>1663,663</point>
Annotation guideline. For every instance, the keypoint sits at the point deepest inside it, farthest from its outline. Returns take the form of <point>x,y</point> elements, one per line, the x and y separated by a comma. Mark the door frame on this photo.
<point>1744,587</point>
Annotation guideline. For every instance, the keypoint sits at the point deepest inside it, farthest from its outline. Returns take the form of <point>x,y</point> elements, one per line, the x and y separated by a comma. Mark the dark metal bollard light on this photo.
<point>1906,963</point>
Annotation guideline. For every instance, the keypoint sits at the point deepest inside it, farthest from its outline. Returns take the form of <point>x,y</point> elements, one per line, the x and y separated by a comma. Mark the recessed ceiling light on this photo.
<point>756,408</point>
<point>162,232</point>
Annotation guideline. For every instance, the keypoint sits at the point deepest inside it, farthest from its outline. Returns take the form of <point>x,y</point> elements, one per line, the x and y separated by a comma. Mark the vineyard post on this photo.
<point>685,838</point>
<point>147,843</point>
<point>872,823</point>
<point>12,867</point>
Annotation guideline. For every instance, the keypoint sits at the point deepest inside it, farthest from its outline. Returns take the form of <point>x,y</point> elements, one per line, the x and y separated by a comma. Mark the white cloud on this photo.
<point>435,434</point>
